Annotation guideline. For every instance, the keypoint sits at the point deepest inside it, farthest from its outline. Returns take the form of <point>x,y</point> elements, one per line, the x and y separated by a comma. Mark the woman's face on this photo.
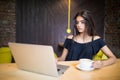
<point>80,24</point>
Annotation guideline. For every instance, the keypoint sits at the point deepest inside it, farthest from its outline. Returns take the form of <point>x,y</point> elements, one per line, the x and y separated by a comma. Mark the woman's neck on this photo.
<point>83,38</point>
<point>83,35</point>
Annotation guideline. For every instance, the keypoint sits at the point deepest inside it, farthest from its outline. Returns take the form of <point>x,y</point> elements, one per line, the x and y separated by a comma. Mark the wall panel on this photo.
<point>45,21</point>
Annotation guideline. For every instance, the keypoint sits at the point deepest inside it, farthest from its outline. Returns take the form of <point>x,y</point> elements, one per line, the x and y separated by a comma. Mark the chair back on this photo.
<point>5,55</point>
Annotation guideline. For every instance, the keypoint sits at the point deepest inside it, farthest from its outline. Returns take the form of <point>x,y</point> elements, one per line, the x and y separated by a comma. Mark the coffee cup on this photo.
<point>86,64</point>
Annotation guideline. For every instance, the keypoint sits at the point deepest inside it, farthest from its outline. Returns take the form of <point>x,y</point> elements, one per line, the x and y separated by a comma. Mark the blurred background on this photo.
<point>45,21</point>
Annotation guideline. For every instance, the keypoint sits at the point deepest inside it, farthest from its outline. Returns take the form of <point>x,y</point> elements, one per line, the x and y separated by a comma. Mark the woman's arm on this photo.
<point>65,51</point>
<point>63,56</point>
<point>111,58</point>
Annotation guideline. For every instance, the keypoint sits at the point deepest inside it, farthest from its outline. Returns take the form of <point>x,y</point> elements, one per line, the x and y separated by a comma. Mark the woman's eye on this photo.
<point>82,21</point>
<point>76,22</point>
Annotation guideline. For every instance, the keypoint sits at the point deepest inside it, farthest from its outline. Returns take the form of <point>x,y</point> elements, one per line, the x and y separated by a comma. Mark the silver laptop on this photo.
<point>36,58</point>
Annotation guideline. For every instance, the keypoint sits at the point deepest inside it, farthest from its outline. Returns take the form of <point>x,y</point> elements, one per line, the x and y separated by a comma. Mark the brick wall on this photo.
<point>7,21</point>
<point>112,23</point>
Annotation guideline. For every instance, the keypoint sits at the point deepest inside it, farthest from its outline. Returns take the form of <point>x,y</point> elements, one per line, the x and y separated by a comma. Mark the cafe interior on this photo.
<point>49,22</point>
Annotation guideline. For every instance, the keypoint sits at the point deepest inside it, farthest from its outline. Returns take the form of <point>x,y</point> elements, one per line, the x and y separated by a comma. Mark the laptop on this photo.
<point>36,58</point>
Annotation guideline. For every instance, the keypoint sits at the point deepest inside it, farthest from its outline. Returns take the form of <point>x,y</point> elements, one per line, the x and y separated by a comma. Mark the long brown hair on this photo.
<point>87,16</point>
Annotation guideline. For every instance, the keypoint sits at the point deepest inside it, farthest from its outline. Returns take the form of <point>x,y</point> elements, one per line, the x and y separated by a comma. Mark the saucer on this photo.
<point>84,69</point>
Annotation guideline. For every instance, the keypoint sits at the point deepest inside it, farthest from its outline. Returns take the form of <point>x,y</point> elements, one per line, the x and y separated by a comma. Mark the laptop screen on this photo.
<point>34,58</point>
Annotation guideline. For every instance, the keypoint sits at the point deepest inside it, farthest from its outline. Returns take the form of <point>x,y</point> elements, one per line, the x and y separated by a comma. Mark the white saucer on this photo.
<point>83,69</point>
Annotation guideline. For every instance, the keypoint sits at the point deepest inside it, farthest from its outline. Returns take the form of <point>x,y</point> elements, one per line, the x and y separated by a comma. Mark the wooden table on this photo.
<point>112,72</point>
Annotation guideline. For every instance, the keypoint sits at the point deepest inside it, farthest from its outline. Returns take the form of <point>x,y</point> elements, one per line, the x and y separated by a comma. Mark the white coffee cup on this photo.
<point>86,64</point>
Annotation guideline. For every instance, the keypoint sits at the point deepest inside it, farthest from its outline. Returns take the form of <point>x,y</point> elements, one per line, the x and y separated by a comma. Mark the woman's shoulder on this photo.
<point>99,40</point>
<point>96,37</point>
<point>70,36</point>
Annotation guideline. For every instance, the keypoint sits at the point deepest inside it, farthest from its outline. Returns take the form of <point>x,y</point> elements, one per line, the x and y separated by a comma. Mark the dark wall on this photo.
<point>112,25</point>
<point>45,21</point>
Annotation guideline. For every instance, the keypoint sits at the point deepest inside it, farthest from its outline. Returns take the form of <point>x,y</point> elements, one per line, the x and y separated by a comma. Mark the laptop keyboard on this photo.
<point>61,68</point>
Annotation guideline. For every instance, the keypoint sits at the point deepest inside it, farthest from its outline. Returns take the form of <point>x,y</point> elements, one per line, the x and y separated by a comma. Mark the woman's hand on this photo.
<point>97,64</point>
<point>58,59</point>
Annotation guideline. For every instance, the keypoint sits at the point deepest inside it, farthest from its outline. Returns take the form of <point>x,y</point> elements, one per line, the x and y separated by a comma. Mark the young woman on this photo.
<point>85,44</point>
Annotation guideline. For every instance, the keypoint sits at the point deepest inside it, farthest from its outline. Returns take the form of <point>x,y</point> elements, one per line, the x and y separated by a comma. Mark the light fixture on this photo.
<point>68,30</point>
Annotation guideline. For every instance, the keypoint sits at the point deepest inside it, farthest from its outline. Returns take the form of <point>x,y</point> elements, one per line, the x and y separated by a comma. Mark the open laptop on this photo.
<point>36,58</point>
